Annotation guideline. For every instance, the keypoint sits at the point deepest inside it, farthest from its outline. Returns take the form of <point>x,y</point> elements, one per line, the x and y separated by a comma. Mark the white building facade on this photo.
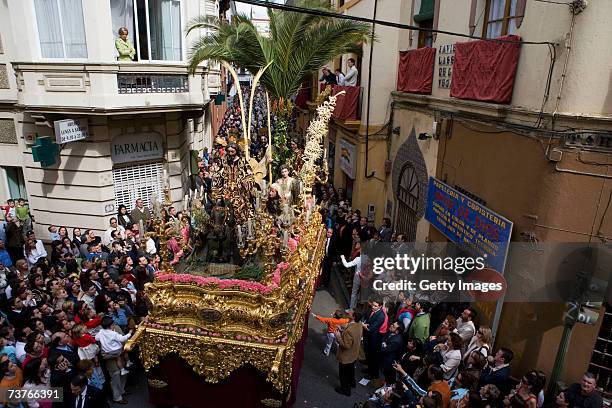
<point>144,118</point>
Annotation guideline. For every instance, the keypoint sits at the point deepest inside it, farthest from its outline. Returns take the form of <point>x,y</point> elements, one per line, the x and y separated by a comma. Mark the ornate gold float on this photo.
<point>218,326</point>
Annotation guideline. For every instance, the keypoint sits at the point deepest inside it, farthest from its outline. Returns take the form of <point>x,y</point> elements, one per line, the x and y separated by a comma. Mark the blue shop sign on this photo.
<point>465,221</point>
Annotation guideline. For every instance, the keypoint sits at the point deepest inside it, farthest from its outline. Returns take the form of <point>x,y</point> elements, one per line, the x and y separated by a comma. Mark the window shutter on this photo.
<point>520,11</point>
<point>473,16</point>
<point>139,181</point>
<point>436,18</point>
<point>411,32</point>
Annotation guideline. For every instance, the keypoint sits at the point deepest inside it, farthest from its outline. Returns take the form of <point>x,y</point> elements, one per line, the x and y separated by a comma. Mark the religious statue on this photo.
<point>218,233</point>
<point>273,202</point>
<point>289,187</point>
<point>296,160</point>
<point>233,182</point>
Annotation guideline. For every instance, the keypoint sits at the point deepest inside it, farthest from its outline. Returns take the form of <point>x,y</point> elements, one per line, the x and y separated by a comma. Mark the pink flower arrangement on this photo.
<point>292,244</point>
<point>244,285</point>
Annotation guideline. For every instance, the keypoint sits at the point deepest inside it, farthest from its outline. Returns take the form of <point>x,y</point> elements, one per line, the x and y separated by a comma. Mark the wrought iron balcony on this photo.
<point>152,83</point>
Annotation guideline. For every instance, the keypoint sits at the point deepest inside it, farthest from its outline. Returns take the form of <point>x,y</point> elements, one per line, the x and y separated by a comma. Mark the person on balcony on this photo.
<point>327,77</point>
<point>340,78</point>
<point>351,75</point>
<point>124,46</point>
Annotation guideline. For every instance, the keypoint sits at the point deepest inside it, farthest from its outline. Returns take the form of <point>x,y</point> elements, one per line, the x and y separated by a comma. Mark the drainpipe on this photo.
<point>367,135</point>
<point>568,50</point>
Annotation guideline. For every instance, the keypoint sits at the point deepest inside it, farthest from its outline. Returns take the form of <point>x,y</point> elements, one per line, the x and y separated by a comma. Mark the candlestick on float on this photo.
<point>185,202</point>
<point>249,228</point>
<point>239,236</point>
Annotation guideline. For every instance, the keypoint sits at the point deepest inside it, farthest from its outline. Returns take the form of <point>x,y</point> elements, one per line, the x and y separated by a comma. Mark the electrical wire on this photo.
<point>555,2</point>
<point>324,13</point>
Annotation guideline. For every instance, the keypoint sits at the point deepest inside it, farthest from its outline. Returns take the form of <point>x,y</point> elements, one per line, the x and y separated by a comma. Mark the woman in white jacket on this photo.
<point>451,355</point>
<point>481,342</point>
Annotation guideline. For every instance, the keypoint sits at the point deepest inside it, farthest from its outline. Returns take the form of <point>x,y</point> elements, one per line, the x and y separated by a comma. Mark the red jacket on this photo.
<point>85,340</point>
<point>91,323</point>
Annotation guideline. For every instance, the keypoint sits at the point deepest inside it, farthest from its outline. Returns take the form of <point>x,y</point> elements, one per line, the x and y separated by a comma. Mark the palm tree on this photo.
<point>298,44</point>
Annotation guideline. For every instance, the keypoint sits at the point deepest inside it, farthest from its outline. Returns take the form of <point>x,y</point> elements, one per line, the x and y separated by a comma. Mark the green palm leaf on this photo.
<point>298,44</point>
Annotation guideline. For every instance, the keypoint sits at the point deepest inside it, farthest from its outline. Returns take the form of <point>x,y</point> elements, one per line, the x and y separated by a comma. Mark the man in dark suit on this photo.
<point>60,343</point>
<point>330,257</point>
<point>497,370</point>
<point>391,351</point>
<point>84,395</point>
<point>345,240</point>
<point>385,230</point>
<point>364,229</point>
<point>374,323</point>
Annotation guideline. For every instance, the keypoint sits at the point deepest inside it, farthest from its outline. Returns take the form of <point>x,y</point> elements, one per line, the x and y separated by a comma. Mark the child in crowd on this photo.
<point>332,323</point>
<point>22,212</point>
<point>112,344</point>
<point>53,234</point>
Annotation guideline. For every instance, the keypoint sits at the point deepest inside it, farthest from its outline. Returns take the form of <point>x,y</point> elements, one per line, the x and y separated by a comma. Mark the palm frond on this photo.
<point>298,44</point>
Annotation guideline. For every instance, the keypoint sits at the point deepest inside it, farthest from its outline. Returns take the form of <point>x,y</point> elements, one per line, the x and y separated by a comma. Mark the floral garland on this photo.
<point>244,285</point>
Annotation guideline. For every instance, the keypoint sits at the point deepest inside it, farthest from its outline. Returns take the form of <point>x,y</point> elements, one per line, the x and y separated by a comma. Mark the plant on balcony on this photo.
<point>297,45</point>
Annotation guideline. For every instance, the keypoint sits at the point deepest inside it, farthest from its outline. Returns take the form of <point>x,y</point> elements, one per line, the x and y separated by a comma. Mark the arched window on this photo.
<point>408,189</point>
<point>408,202</point>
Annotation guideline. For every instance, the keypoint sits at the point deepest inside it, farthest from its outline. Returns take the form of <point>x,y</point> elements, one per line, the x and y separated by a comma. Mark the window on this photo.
<point>60,28</point>
<point>502,17</point>
<point>408,202</point>
<point>138,181</point>
<point>425,19</point>
<point>154,27</point>
<point>426,37</point>
<point>15,182</point>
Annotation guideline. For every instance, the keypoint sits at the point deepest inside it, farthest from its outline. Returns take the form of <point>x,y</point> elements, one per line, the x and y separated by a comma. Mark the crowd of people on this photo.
<point>429,354</point>
<point>66,314</point>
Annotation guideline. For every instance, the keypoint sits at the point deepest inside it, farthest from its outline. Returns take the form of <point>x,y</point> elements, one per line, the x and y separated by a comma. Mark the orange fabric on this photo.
<point>14,383</point>
<point>331,322</point>
<point>444,390</point>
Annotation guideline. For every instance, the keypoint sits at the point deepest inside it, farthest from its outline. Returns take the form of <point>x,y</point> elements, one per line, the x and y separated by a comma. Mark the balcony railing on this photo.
<point>106,87</point>
<point>150,83</point>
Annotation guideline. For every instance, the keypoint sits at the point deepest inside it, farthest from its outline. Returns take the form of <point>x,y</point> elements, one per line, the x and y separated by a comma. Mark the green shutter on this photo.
<point>426,11</point>
<point>193,161</point>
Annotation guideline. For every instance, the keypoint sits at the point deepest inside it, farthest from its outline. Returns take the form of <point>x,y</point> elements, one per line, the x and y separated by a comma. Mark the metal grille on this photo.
<point>601,360</point>
<point>408,197</point>
<point>148,83</point>
<point>140,181</point>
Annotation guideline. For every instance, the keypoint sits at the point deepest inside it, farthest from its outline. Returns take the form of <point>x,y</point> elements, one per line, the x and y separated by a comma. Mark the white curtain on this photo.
<point>73,28</point>
<point>49,30</point>
<point>122,15</point>
<point>166,30</point>
<point>177,31</point>
<point>61,28</point>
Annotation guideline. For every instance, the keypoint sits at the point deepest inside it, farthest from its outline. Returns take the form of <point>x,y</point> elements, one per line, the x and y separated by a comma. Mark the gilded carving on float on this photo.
<point>219,325</point>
